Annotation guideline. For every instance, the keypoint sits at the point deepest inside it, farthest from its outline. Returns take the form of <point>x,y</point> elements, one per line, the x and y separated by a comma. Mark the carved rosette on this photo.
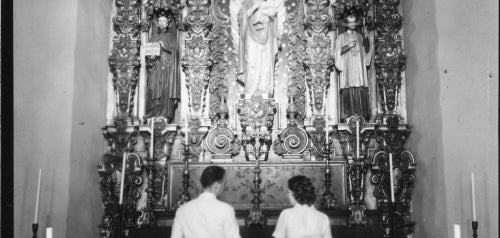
<point>318,60</point>
<point>293,140</point>
<point>389,57</point>
<point>296,57</point>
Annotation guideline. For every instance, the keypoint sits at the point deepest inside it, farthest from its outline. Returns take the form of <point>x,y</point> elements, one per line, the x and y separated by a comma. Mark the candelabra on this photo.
<point>185,196</point>
<point>34,227</point>
<point>257,145</point>
<point>328,199</point>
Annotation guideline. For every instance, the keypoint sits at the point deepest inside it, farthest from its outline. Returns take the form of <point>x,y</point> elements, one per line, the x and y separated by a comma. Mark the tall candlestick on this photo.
<point>391,176</point>
<point>38,195</point>
<point>326,133</point>
<point>48,232</point>
<point>456,231</point>
<point>474,218</point>
<point>357,139</point>
<point>123,178</point>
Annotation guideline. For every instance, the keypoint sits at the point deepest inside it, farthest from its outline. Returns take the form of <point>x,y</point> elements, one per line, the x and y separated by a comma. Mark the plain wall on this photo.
<point>60,77</point>
<point>89,116</point>
<point>44,68</point>
<point>452,72</point>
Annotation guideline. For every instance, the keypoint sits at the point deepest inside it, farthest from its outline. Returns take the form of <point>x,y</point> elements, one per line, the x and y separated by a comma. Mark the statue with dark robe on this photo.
<point>163,74</point>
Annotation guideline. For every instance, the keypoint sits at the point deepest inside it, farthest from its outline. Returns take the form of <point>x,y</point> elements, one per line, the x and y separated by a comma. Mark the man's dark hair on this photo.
<point>210,175</point>
<point>302,189</point>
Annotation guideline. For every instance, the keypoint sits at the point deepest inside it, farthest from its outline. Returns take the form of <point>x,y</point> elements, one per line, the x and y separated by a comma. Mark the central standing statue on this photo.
<point>256,28</point>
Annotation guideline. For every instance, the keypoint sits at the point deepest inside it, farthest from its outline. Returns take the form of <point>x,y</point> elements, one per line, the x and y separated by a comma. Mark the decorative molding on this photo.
<point>296,57</point>
<point>221,141</point>
<point>389,56</point>
<point>293,140</point>
<point>318,61</point>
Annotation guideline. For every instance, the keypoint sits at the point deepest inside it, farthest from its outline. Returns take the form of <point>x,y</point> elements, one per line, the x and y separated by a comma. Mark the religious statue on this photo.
<point>257,26</point>
<point>163,74</point>
<point>352,56</point>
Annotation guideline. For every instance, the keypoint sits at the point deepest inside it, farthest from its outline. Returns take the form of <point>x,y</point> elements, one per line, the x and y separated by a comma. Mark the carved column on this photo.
<point>389,56</point>
<point>319,59</point>
<point>124,61</point>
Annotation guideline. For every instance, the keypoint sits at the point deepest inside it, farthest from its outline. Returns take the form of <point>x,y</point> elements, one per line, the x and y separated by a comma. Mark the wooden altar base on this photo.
<point>337,219</point>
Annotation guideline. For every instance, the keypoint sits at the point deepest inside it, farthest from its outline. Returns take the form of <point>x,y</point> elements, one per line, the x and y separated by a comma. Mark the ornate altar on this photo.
<point>265,107</point>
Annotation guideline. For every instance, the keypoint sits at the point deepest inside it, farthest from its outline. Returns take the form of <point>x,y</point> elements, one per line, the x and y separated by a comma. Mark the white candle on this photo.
<point>326,134</point>
<point>123,178</point>
<point>391,177</point>
<point>38,195</point>
<point>456,231</point>
<point>151,149</point>
<point>187,130</point>
<point>48,232</point>
<point>357,139</point>
<point>474,218</point>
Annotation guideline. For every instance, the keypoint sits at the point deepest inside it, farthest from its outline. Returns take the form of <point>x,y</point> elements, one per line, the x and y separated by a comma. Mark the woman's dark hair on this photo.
<point>210,175</point>
<point>302,189</point>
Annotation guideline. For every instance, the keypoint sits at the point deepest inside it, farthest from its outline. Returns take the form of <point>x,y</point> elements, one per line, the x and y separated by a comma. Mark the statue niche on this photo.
<point>162,63</point>
<point>256,28</point>
<point>352,54</point>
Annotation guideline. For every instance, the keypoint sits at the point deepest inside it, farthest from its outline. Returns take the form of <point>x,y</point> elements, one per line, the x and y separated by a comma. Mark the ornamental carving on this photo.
<point>317,133</point>
<point>153,7</point>
<point>124,65</point>
<point>256,112</point>
<point>389,58</point>
<point>296,57</point>
<point>403,173</point>
<point>198,21</point>
<point>319,60</point>
<point>222,140</point>
<point>127,19</point>
<point>197,134</point>
<point>219,48</point>
<point>292,140</point>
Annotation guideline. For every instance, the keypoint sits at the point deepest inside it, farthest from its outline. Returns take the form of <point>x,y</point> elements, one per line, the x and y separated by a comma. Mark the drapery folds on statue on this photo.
<point>352,56</point>
<point>163,74</point>
<point>256,28</point>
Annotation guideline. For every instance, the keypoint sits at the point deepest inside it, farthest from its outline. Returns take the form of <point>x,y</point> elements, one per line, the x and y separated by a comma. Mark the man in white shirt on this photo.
<point>205,216</point>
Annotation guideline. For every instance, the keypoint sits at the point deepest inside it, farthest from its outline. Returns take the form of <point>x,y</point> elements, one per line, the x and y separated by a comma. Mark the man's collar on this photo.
<point>207,195</point>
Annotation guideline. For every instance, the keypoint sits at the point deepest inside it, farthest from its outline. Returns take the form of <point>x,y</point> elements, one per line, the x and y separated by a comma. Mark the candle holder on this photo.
<point>393,215</point>
<point>328,199</point>
<point>185,196</point>
<point>34,228</point>
<point>474,229</point>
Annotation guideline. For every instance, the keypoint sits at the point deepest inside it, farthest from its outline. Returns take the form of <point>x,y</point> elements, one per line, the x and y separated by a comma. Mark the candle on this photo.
<point>474,218</point>
<point>48,232</point>
<point>123,178</point>
<point>151,149</point>
<point>391,176</point>
<point>326,134</point>
<point>186,124</point>
<point>456,231</point>
<point>357,139</point>
<point>38,195</point>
